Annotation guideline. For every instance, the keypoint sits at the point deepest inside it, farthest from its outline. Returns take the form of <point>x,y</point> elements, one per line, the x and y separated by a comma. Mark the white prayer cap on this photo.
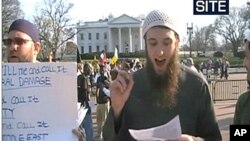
<point>158,18</point>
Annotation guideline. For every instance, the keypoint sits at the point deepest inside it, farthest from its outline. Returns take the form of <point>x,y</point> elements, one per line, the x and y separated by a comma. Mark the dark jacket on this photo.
<point>193,105</point>
<point>242,114</point>
<point>101,97</point>
<point>82,91</point>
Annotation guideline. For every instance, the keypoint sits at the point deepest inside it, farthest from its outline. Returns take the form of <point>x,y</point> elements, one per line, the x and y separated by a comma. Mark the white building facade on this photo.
<point>123,32</point>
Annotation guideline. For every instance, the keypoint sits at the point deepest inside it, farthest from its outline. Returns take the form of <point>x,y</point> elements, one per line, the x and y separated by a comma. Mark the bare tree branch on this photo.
<point>232,27</point>
<point>11,11</point>
<point>53,23</point>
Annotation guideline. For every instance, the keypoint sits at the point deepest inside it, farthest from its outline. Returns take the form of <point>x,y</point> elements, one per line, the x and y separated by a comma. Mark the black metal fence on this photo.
<point>222,90</point>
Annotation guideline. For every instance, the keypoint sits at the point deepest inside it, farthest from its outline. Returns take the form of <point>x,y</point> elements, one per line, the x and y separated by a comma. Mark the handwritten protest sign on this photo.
<point>39,101</point>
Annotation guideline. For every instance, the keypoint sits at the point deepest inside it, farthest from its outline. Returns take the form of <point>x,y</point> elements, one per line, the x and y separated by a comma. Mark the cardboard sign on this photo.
<point>39,101</point>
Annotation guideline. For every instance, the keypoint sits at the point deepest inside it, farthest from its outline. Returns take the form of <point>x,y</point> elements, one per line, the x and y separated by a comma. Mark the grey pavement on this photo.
<point>232,76</point>
<point>224,111</point>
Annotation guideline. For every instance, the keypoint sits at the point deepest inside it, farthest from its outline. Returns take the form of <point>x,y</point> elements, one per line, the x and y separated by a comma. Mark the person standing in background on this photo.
<point>23,45</point>
<point>102,101</point>
<point>83,84</point>
<point>224,68</point>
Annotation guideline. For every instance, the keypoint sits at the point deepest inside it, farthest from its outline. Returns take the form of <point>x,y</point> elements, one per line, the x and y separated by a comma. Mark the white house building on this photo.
<point>123,32</point>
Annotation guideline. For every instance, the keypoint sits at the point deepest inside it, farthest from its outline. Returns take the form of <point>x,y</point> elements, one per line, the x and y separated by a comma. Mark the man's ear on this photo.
<point>37,48</point>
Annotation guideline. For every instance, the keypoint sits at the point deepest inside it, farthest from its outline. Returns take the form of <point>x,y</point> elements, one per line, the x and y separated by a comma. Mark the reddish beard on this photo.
<point>164,86</point>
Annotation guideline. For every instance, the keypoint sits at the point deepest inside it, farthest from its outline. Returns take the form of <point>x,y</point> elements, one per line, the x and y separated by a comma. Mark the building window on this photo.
<point>106,48</point>
<point>98,49</point>
<point>105,35</point>
<point>82,49</point>
<point>89,36</point>
<point>97,36</point>
<point>82,36</point>
<point>90,49</point>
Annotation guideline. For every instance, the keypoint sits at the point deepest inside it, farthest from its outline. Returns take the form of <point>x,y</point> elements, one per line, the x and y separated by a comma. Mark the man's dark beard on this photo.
<point>164,86</point>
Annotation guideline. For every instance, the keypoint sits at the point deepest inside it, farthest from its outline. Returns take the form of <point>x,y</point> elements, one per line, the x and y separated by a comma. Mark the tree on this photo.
<point>54,26</point>
<point>231,27</point>
<point>204,38</point>
<point>246,14</point>
<point>10,11</point>
<point>197,39</point>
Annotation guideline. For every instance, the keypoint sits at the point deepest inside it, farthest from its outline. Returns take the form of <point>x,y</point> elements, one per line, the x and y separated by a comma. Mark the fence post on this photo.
<point>213,89</point>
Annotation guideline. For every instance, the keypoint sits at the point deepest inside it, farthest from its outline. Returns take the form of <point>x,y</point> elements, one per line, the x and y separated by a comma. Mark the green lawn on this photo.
<point>234,61</point>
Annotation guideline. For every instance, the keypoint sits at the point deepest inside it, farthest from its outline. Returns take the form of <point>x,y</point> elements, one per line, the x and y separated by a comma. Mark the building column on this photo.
<point>140,38</point>
<point>130,40</point>
<point>120,41</point>
<point>110,48</point>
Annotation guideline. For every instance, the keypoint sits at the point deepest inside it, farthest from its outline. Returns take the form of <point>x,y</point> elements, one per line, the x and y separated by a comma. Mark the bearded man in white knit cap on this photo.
<point>164,89</point>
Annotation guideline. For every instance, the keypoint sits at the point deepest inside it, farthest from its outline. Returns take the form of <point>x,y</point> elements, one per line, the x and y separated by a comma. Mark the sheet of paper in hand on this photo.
<point>168,131</point>
<point>81,113</point>
<point>39,101</point>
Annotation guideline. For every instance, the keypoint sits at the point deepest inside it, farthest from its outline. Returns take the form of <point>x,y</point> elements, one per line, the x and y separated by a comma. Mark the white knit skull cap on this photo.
<point>247,35</point>
<point>158,18</point>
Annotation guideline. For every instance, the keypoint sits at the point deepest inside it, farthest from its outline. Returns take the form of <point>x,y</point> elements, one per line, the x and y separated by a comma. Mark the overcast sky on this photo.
<point>92,10</point>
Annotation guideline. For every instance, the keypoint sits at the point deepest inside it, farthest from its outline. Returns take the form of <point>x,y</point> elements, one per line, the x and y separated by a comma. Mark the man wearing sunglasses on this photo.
<point>23,43</point>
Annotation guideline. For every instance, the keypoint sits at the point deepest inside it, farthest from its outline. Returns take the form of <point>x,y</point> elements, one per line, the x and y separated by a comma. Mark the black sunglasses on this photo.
<point>17,41</point>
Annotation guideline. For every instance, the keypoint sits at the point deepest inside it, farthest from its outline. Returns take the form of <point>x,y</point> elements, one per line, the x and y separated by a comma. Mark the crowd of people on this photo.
<point>217,67</point>
<point>134,95</point>
<point>96,80</point>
